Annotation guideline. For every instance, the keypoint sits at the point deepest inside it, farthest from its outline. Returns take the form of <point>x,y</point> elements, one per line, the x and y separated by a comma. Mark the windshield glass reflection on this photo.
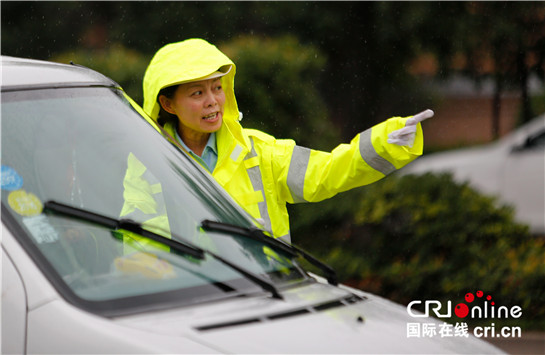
<point>87,148</point>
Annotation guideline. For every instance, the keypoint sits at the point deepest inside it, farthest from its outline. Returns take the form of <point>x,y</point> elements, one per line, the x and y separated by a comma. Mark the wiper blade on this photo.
<point>126,224</point>
<point>177,244</point>
<point>279,244</point>
<point>266,285</point>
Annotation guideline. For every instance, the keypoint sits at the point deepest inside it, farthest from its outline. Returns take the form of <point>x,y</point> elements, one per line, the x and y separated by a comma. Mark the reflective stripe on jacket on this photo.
<point>260,172</point>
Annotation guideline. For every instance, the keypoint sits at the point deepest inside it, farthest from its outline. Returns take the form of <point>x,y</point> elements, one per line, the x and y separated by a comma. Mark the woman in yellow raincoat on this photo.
<point>189,90</point>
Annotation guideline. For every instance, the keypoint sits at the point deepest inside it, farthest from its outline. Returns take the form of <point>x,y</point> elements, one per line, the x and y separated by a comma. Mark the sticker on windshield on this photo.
<point>11,180</point>
<point>25,203</point>
<point>40,229</point>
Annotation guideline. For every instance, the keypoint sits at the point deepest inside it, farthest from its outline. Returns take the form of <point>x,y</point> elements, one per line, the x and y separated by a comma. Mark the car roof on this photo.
<point>24,74</point>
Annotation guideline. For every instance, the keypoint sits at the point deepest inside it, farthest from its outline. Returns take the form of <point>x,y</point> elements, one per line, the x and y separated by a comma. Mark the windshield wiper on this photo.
<point>279,244</point>
<point>126,224</point>
<point>177,244</point>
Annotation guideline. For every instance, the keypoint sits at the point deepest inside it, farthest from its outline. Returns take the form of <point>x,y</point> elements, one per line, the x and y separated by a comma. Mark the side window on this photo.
<point>536,141</point>
<point>533,142</point>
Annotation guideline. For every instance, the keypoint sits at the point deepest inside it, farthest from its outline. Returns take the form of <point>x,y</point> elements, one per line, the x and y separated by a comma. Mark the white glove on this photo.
<point>406,135</point>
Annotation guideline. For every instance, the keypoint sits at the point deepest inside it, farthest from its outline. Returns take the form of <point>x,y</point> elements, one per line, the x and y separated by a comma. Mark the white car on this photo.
<point>511,169</point>
<point>212,283</point>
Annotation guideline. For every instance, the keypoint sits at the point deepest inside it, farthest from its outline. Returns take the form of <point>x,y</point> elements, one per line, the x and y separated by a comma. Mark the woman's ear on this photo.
<point>166,104</point>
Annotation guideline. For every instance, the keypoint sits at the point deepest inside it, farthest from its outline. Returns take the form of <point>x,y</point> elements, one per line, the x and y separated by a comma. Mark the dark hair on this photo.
<point>163,115</point>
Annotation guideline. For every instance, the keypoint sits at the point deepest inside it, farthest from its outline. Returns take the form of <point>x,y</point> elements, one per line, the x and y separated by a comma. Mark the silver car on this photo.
<point>511,169</point>
<point>212,282</point>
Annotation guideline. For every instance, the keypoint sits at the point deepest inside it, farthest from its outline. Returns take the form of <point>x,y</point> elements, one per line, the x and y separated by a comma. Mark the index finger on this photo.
<point>419,117</point>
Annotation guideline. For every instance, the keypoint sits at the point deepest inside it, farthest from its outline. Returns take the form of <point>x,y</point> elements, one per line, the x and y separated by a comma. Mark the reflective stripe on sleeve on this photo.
<point>296,173</point>
<point>254,173</point>
<point>371,157</point>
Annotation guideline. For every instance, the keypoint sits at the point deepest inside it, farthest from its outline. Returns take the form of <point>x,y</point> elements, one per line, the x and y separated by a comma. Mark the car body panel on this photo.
<point>370,325</point>
<point>20,74</point>
<point>14,308</point>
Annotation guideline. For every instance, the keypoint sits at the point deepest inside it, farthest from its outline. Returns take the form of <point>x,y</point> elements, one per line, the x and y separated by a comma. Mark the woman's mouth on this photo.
<point>211,117</point>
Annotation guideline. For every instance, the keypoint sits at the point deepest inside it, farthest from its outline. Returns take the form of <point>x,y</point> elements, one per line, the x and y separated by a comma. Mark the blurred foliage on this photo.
<point>503,40</point>
<point>427,237</point>
<point>124,65</point>
<point>276,89</point>
<point>367,51</point>
<point>538,103</point>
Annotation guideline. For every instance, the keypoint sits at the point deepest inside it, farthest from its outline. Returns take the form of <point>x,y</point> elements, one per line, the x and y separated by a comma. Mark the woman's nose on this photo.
<point>210,99</point>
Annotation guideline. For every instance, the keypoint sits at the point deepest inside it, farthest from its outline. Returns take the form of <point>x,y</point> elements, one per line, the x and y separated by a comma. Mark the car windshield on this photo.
<point>88,148</point>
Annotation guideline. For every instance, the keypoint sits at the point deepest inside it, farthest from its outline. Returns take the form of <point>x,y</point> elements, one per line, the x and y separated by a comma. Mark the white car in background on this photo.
<point>213,283</point>
<point>511,169</point>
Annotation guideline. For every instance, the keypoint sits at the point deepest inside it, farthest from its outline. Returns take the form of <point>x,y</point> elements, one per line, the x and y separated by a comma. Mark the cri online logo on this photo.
<point>462,310</point>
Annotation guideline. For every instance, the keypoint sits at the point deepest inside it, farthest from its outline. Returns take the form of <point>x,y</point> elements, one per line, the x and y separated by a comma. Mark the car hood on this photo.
<point>316,318</point>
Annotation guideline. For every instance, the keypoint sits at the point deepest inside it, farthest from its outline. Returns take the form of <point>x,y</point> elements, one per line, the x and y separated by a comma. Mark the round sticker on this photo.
<point>25,203</point>
<point>11,181</point>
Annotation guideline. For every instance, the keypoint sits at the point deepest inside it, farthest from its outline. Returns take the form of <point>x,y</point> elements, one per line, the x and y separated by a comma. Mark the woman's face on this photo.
<point>198,105</point>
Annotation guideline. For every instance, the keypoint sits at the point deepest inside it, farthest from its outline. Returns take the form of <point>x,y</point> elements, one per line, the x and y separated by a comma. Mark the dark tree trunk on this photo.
<point>496,107</point>
<point>523,82</point>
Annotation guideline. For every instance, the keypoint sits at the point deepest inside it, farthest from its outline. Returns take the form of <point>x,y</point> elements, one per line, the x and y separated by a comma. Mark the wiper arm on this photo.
<point>126,224</point>
<point>177,244</point>
<point>279,244</point>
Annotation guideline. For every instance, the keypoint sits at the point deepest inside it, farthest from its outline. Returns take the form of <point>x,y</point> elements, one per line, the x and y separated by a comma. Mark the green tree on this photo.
<point>276,89</point>
<point>364,80</point>
<point>126,66</point>
<point>509,36</point>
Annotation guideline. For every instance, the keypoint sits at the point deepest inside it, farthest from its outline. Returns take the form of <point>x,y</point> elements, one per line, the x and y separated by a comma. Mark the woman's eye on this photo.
<point>219,88</point>
<point>196,93</point>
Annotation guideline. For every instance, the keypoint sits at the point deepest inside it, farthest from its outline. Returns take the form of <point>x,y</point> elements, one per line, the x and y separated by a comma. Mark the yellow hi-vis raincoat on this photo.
<point>263,173</point>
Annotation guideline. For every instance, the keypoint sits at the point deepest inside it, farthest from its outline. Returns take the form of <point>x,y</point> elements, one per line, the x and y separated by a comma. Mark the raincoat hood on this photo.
<point>190,60</point>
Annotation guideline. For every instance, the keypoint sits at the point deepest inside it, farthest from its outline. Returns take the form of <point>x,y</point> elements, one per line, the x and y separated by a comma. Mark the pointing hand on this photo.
<point>406,135</point>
